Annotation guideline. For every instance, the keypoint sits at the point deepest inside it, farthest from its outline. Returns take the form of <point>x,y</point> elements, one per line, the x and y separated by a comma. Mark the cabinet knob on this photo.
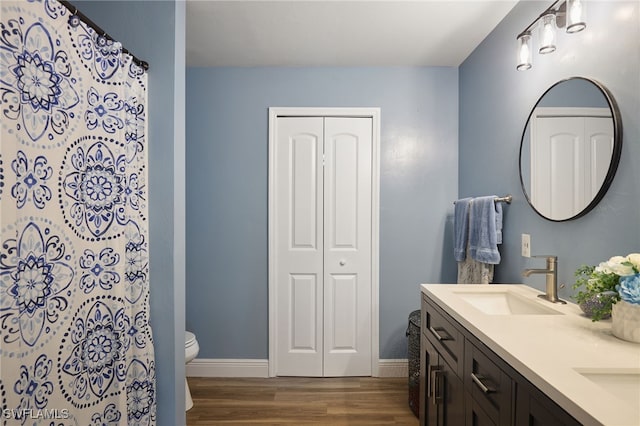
<point>343,262</point>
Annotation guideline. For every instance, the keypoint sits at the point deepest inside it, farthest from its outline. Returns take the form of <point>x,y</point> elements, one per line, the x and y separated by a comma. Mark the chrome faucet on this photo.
<point>552,279</point>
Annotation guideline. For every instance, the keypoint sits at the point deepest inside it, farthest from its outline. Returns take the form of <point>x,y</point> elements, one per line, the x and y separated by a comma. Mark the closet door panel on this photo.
<point>300,275</point>
<point>557,157</point>
<point>347,253</point>
<point>599,134</point>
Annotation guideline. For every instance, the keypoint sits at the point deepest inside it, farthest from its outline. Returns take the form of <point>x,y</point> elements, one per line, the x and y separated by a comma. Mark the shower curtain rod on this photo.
<point>74,10</point>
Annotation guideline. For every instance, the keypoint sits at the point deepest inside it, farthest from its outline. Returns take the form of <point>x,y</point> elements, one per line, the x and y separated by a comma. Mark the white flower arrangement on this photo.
<point>619,277</point>
<point>628,270</point>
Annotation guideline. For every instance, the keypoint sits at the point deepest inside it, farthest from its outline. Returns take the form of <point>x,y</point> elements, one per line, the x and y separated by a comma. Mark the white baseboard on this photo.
<point>393,368</point>
<point>206,367</point>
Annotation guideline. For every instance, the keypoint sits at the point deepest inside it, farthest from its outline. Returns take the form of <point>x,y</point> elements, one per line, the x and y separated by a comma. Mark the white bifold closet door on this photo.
<point>570,160</point>
<point>323,199</point>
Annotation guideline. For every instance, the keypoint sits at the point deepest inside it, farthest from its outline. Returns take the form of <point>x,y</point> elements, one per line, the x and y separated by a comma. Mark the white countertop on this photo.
<point>552,350</point>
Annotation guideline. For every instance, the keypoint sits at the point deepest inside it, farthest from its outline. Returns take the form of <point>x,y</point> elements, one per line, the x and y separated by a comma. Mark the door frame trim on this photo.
<point>374,114</point>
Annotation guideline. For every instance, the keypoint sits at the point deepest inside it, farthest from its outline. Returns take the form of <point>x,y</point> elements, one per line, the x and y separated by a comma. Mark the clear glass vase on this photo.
<point>597,302</point>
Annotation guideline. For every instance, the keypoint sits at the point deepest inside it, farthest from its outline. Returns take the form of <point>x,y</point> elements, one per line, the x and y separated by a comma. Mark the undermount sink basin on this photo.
<point>504,302</point>
<point>621,383</point>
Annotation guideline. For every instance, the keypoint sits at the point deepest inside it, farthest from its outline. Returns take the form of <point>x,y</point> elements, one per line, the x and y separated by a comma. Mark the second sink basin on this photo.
<point>621,383</point>
<point>504,302</point>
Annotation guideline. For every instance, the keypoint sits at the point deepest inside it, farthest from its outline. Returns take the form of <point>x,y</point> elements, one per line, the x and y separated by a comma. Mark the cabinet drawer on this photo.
<point>446,338</point>
<point>489,386</point>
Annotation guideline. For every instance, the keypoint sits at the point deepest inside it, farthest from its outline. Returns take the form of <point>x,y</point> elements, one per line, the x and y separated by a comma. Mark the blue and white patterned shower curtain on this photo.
<point>76,345</point>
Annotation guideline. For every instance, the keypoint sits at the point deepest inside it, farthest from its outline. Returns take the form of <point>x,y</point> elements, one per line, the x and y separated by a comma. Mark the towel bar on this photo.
<point>506,199</point>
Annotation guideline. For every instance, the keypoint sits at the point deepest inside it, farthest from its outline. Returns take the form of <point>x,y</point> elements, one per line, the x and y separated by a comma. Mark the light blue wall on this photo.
<point>574,93</point>
<point>227,142</point>
<point>495,101</point>
<point>154,31</point>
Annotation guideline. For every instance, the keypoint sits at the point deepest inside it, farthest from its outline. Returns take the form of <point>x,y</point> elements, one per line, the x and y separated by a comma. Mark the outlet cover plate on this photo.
<point>526,245</point>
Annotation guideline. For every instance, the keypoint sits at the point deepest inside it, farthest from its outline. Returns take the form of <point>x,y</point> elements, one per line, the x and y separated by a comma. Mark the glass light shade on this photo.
<point>575,16</point>
<point>524,52</point>
<point>547,33</point>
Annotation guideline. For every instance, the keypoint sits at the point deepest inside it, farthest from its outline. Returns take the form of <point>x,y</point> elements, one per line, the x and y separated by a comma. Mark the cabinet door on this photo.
<point>428,366</point>
<point>474,414</point>
<point>449,391</point>
<point>441,390</point>
<point>533,408</point>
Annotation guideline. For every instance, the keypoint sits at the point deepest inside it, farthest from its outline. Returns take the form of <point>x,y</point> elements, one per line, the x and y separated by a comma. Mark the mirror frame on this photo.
<point>615,154</point>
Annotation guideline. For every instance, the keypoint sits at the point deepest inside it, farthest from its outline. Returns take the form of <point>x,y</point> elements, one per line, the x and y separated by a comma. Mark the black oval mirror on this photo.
<point>570,149</point>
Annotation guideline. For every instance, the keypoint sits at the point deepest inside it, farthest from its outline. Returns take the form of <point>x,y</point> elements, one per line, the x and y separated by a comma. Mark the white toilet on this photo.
<point>191,349</point>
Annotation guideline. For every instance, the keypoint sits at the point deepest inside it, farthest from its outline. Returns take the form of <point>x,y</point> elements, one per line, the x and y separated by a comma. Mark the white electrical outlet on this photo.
<point>526,245</point>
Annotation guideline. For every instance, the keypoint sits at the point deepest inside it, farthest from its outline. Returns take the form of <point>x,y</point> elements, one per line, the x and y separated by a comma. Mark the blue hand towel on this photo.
<point>461,228</point>
<point>484,231</point>
<point>498,223</point>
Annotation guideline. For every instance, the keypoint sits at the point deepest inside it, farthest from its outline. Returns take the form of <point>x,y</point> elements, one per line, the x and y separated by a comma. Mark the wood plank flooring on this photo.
<point>300,401</point>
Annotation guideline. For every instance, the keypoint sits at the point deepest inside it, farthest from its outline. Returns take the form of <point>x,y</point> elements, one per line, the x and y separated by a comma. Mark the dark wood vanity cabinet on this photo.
<point>463,382</point>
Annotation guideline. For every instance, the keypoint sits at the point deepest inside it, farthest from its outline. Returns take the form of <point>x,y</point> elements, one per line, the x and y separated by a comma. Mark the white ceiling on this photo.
<point>338,32</point>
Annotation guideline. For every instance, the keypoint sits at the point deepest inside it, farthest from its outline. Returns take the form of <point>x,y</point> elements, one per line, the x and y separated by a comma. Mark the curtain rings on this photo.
<point>101,40</point>
<point>74,19</point>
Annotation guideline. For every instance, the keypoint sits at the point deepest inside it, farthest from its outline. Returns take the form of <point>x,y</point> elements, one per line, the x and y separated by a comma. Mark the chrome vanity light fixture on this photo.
<point>575,16</point>
<point>524,51</point>
<point>568,14</point>
<point>547,33</point>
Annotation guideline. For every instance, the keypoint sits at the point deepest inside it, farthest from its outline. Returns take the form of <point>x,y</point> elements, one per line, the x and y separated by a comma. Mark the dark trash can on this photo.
<point>413,356</point>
